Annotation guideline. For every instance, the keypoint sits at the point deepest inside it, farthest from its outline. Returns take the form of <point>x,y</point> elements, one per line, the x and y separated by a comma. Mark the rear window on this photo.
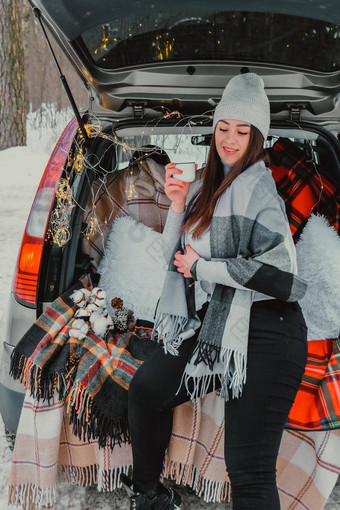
<point>179,147</point>
<point>218,36</point>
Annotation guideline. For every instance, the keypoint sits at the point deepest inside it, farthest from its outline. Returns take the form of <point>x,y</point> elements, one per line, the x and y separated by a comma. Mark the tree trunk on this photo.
<point>13,107</point>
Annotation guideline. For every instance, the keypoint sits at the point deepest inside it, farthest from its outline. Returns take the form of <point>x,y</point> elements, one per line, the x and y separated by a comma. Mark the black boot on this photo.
<point>160,498</point>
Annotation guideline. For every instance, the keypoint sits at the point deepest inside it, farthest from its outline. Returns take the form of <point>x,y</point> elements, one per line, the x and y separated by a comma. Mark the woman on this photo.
<point>249,338</point>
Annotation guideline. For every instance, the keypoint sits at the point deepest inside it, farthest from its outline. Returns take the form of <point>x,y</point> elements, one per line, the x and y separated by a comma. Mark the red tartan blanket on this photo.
<point>306,189</point>
<point>317,403</point>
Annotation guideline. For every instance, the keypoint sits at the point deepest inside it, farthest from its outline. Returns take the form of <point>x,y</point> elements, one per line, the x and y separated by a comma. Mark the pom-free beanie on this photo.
<point>244,99</point>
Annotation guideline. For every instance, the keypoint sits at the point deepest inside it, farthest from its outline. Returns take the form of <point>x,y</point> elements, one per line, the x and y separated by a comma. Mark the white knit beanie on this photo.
<point>244,99</point>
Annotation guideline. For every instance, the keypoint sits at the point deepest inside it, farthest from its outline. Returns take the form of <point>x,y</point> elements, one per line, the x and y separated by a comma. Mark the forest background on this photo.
<point>29,77</point>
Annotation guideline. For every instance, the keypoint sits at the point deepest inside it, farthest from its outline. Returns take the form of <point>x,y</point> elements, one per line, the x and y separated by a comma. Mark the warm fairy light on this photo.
<point>105,39</point>
<point>79,161</point>
<point>165,46</point>
<point>131,189</point>
<point>93,130</point>
<point>169,115</point>
<point>59,227</point>
<point>92,228</point>
<point>59,230</point>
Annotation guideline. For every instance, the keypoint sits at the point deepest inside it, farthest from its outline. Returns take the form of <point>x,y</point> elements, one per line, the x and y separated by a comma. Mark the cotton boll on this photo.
<point>79,329</point>
<point>77,296</point>
<point>98,297</point>
<point>99,323</point>
<point>109,321</point>
<point>82,313</point>
<point>98,293</point>
<point>80,297</point>
<point>84,329</point>
<point>93,307</point>
<point>77,324</point>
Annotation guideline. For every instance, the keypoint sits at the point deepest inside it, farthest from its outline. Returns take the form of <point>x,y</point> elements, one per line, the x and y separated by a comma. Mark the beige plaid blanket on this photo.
<point>46,452</point>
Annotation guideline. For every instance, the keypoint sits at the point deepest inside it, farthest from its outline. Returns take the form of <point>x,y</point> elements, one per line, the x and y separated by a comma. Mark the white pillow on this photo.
<point>133,266</point>
<point>318,257</point>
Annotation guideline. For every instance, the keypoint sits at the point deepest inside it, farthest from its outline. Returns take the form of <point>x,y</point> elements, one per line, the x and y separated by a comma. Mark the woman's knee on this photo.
<point>141,389</point>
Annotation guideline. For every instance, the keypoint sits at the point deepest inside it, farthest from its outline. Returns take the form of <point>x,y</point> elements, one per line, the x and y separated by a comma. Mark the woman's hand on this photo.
<point>184,262</point>
<point>175,189</point>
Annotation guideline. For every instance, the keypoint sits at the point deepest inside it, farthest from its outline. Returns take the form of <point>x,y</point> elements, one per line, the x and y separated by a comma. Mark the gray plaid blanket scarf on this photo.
<point>250,233</point>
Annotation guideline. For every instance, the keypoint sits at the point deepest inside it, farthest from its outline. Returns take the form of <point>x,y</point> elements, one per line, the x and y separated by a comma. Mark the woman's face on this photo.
<point>232,140</point>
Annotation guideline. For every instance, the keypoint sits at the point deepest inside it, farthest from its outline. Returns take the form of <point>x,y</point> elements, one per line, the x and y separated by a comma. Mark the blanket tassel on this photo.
<point>84,476</point>
<point>93,424</point>
<point>210,491</point>
<point>30,496</point>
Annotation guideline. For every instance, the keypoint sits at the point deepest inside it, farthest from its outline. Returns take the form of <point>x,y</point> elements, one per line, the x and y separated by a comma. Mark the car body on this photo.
<point>154,75</point>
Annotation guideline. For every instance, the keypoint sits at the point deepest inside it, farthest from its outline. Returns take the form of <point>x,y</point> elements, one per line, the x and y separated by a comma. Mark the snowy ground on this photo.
<point>21,169</point>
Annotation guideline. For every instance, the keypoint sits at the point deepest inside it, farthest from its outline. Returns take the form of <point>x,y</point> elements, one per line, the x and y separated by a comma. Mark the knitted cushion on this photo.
<point>318,255</point>
<point>133,266</point>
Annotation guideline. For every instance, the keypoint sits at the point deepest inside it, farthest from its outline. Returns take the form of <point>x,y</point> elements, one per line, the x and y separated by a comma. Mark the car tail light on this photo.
<point>26,275</point>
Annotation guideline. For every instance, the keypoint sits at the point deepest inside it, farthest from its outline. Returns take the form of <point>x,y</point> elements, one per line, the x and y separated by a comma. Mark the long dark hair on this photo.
<point>214,182</point>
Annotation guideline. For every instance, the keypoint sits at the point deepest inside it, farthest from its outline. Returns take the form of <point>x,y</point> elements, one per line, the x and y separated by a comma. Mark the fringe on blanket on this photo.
<point>31,376</point>
<point>184,474</point>
<point>84,476</point>
<point>108,481</point>
<point>89,422</point>
<point>30,497</point>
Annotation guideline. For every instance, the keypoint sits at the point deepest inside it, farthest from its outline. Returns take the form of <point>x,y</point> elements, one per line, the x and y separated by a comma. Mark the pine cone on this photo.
<point>117,303</point>
<point>131,326</point>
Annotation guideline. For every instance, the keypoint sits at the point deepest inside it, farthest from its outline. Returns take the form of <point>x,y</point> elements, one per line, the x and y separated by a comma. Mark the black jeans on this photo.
<point>277,351</point>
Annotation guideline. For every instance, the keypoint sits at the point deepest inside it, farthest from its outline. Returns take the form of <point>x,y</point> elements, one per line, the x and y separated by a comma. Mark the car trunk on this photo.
<point>144,59</point>
<point>152,70</point>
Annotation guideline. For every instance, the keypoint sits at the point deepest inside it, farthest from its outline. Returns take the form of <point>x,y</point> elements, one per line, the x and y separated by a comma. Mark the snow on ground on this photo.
<point>20,170</point>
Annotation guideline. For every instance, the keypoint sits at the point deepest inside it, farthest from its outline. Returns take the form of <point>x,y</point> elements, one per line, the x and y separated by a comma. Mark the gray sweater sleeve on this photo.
<point>171,233</point>
<point>215,272</point>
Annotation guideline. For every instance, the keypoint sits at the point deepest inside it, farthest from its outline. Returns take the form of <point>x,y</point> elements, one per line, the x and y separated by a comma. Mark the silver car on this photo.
<point>154,73</point>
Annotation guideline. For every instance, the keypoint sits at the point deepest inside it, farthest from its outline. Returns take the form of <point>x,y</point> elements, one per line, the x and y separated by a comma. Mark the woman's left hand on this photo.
<point>184,262</point>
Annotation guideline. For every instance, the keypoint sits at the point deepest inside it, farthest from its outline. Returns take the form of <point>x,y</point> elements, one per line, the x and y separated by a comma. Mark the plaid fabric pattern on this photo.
<point>329,205</point>
<point>303,186</point>
<point>307,468</point>
<point>317,403</point>
<point>305,189</point>
<point>34,468</point>
<point>294,175</point>
<point>46,451</point>
<point>250,234</point>
<point>92,375</point>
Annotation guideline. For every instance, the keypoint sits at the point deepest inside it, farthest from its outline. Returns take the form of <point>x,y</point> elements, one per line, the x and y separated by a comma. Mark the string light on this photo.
<point>79,161</point>
<point>106,35</point>
<point>131,192</point>
<point>165,46</point>
<point>92,228</point>
<point>59,227</point>
<point>59,230</point>
<point>93,130</point>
